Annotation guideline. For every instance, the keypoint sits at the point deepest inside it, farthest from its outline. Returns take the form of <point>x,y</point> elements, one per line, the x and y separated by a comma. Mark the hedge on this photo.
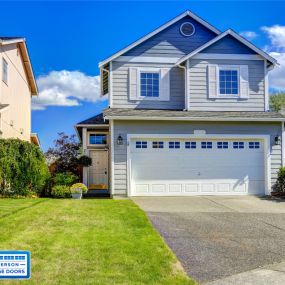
<point>23,169</point>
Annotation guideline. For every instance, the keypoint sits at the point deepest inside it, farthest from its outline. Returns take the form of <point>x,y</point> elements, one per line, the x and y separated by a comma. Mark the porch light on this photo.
<point>277,140</point>
<point>119,140</point>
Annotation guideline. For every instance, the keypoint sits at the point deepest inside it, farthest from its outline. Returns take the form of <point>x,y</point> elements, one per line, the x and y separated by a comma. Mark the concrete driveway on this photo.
<point>216,237</point>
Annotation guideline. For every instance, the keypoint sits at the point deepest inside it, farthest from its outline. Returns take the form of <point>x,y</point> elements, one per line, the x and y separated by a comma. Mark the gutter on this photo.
<point>213,119</point>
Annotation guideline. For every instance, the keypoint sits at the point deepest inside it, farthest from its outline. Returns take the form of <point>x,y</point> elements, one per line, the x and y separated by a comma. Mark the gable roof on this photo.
<point>95,120</point>
<point>237,37</point>
<point>156,31</point>
<point>26,59</point>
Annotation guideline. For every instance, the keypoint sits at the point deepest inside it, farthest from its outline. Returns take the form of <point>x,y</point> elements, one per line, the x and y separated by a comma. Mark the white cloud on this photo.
<point>66,88</point>
<point>250,35</point>
<point>276,35</point>
<point>276,49</point>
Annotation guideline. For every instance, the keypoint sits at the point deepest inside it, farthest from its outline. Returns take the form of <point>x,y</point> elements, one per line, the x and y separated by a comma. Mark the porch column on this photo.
<point>85,152</point>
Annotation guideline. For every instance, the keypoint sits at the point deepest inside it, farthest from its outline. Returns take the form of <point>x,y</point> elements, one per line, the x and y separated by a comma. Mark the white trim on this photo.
<point>147,59</point>
<point>237,37</point>
<point>190,25</point>
<point>220,119</point>
<point>12,41</point>
<point>227,56</point>
<point>112,150</point>
<point>283,144</point>
<point>265,138</point>
<point>187,87</point>
<point>110,75</point>
<point>156,31</point>
<point>266,88</point>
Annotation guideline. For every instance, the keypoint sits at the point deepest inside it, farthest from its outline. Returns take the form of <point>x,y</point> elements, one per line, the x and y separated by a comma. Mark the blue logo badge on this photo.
<point>15,264</point>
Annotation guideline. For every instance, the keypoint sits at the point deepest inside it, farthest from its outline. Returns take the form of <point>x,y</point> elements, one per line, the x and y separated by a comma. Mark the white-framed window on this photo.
<point>238,145</point>
<point>141,144</point>
<point>157,144</point>
<point>149,83</point>
<point>229,81</point>
<point>173,144</point>
<point>190,145</point>
<point>222,145</point>
<point>97,139</point>
<point>254,145</point>
<point>4,71</point>
<point>206,145</point>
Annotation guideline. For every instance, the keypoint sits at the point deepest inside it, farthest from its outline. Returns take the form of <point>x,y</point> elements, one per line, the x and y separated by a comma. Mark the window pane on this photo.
<point>150,84</point>
<point>228,82</point>
<point>98,139</point>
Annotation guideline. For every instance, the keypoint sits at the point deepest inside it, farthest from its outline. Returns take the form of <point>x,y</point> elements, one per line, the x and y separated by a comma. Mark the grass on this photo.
<point>87,242</point>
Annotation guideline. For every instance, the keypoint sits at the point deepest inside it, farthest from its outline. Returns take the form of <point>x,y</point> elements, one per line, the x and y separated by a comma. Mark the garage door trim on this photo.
<point>265,138</point>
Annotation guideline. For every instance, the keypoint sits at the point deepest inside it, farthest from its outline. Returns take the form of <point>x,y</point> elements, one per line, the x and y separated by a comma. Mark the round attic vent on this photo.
<point>187,29</point>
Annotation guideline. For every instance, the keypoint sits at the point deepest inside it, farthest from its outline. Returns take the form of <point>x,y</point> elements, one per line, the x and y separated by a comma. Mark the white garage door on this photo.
<point>174,167</point>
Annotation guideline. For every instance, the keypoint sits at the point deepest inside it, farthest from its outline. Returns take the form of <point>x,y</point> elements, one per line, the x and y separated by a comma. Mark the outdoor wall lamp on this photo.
<point>119,140</point>
<point>277,140</point>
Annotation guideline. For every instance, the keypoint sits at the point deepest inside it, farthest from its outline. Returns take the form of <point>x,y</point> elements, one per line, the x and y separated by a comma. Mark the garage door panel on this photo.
<point>182,171</point>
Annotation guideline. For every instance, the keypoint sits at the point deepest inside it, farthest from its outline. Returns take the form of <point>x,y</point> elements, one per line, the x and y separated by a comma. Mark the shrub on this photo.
<point>60,191</point>
<point>280,183</point>
<point>23,169</point>
<point>66,178</point>
<point>85,161</point>
<point>78,188</point>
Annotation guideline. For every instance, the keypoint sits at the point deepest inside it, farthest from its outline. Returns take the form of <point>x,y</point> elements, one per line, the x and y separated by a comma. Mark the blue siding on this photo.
<point>170,42</point>
<point>228,45</point>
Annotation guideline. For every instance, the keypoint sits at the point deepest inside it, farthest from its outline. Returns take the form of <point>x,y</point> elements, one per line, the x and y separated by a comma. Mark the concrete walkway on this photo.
<point>218,237</point>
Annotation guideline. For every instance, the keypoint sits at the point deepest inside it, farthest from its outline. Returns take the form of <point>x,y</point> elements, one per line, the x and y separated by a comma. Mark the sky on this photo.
<point>67,40</point>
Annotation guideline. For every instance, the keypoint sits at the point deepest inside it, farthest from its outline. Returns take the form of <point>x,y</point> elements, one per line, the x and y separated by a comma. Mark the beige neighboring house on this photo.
<point>17,86</point>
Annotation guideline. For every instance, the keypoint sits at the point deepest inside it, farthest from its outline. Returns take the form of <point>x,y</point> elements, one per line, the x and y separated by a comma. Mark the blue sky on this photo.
<point>75,36</point>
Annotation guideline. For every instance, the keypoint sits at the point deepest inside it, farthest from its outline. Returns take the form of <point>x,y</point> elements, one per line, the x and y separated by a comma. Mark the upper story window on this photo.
<point>229,82</point>
<point>97,139</point>
<point>5,71</point>
<point>149,84</point>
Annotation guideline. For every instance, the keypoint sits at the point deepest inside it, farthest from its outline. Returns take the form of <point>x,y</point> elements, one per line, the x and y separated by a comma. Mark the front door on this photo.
<point>98,171</point>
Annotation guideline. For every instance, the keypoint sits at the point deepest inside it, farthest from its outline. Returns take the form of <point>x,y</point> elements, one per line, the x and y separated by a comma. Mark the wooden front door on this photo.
<point>98,171</point>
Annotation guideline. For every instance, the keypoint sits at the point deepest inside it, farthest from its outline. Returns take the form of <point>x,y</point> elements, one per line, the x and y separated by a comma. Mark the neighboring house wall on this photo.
<point>17,94</point>
<point>121,95</point>
<point>167,127</point>
<point>170,42</point>
<point>198,87</point>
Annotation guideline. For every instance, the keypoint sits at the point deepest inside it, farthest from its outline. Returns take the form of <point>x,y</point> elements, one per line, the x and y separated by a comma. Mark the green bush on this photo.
<point>78,188</point>
<point>23,169</point>
<point>66,178</point>
<point>60,191</point>
<point>280,183</point>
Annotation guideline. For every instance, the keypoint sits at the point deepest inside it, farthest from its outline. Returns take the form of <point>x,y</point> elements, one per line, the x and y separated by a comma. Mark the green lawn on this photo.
<point>87,242</point>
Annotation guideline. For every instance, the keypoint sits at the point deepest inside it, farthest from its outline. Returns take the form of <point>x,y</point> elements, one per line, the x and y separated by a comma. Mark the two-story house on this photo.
<point>188,115</point>
<point>17,85</point>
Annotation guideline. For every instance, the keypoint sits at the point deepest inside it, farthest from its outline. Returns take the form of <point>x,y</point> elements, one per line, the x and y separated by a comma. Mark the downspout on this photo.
<point>185,87</point>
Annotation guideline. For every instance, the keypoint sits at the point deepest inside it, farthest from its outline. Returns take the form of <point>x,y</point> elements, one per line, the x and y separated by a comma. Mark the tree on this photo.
<point>23,169</point>
<point>277,102</point>
<point>63,157</point>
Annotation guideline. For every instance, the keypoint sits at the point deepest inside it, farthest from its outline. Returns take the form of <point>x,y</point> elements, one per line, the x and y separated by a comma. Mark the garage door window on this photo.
<point>238,145</point>
<point>157,145</point>
<point>190,145</point>
<point>222,145</point>
<point>206,144</point>
<point>254,145</point>
<point>141,144</point>
<point>174,144</point>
